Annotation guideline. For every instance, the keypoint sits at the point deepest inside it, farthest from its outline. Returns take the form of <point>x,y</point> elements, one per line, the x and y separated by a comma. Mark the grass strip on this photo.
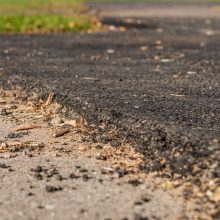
<point>45,23</point>
<point>45,16</point>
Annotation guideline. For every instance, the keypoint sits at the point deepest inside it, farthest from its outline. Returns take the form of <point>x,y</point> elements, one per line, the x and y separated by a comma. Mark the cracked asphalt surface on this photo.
<point>158,84</point>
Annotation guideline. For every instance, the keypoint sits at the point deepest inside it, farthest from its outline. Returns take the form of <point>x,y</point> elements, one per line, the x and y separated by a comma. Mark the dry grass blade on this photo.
<point>50,99</point>
<point>26,127</point>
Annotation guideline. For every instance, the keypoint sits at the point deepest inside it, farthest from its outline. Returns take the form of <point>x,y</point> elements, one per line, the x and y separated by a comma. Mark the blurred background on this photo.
<point>48,16</point>
<point>34,16</point>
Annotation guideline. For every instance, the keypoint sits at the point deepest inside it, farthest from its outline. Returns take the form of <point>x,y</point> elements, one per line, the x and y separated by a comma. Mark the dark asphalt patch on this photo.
<point>158,87</point>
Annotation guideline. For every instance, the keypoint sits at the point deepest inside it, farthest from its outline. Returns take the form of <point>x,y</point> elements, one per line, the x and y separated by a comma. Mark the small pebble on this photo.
<point>57,121</point>
<point>4,166</point>
<point>3,112</point>
<point>115,143</point>
<point>101,157</point>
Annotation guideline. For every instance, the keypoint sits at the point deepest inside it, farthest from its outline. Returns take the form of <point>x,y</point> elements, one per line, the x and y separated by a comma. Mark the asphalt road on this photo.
<point>157,84</point>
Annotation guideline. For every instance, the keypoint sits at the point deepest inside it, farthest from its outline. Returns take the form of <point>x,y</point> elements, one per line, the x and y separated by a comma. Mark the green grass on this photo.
<point>43,23</point>
<point>40,16</point>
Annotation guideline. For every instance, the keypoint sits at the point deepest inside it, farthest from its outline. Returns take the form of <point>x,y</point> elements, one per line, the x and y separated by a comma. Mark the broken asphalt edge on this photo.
<point>163,147</point>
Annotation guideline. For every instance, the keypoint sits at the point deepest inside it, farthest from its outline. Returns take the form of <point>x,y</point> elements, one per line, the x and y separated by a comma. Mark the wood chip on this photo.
<point>61,132</point>
<point>26,127</point>
<point>50,99</point>
<point>2,102</point>
<point>167,185</point>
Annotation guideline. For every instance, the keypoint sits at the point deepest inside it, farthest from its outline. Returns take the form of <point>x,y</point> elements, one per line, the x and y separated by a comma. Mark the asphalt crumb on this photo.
<point>135,182</point>
<point>52,189</point>
<point>4,166</point>
<point>17,135</point>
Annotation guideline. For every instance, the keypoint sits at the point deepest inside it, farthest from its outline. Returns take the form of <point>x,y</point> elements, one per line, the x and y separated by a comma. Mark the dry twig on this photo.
<point>26,127</point>
<point>61,132</point>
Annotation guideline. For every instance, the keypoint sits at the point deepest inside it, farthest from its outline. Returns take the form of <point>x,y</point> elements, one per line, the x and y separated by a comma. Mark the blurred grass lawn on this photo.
<point>44,16</point>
